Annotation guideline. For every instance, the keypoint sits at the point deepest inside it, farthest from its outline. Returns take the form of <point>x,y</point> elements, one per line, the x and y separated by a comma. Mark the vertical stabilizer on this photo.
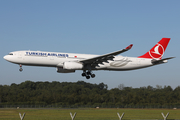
<point>158,50</point>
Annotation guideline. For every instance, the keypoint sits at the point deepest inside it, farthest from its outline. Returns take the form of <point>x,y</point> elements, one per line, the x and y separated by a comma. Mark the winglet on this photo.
<point>129,47</point>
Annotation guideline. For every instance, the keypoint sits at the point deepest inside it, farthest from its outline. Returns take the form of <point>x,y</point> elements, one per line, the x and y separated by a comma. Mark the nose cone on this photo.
<point>10,58</point>
<point>5,57</point>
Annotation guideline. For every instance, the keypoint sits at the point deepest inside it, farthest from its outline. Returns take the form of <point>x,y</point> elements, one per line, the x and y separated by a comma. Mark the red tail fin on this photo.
<point>158,50</point>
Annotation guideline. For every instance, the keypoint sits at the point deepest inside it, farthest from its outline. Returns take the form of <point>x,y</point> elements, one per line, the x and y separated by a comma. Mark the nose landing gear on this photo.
<point>20,69</point>
<point>88,74</point>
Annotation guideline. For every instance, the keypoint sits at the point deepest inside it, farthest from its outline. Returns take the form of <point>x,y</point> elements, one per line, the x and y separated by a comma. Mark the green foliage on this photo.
<point>82,93</point>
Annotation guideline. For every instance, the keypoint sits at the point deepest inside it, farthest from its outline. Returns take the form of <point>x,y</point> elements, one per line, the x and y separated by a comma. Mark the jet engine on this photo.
<point>61,70</point>
<point>72,66</point>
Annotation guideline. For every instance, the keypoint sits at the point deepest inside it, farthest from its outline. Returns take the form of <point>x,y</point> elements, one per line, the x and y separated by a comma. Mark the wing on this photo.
<point>104,58</point>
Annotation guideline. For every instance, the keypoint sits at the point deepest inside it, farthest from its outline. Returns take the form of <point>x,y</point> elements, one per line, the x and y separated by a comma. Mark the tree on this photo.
<point>121,86</point>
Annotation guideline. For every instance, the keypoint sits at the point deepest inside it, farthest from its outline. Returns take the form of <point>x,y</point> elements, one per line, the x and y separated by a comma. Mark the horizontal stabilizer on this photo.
<point>165,60</point>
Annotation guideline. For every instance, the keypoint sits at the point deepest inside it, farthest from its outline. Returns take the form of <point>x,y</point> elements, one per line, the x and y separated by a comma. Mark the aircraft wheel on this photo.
<point>83,74</point>
<point>88,73</point>
<point>87,77</point>
<point>20,69</point>
<point>93,75</point>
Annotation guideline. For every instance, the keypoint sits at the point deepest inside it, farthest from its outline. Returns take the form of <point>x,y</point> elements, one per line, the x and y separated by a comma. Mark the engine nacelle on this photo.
<point>72,66</point>
<point>61,70</point>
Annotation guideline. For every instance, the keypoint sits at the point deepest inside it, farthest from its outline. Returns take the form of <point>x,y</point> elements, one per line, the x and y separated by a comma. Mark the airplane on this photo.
<point>70,62</point>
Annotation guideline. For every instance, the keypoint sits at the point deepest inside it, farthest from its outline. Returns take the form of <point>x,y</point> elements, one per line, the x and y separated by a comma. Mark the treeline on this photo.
<point>82,93</point>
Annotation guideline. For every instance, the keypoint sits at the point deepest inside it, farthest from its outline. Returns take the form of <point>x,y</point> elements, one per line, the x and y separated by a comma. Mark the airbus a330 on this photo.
<point>70,62</point>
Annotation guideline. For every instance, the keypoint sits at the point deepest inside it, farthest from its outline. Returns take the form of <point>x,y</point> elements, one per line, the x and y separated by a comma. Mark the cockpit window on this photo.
<point>10,53</point>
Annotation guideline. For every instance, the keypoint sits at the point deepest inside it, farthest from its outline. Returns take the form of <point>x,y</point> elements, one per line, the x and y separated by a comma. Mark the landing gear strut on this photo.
<point>88,74</point>
<point>20,69</point>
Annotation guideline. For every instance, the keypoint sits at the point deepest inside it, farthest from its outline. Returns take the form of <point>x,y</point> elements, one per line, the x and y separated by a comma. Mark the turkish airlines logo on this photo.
<point>157,51</point>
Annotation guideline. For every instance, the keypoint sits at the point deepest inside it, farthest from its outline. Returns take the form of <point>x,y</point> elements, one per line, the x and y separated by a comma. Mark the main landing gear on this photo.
<point>20,69</point>
<point>88,74</point>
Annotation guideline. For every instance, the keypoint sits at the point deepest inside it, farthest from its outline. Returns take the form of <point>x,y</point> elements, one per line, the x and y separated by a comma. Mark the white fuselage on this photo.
<point>55,59</point>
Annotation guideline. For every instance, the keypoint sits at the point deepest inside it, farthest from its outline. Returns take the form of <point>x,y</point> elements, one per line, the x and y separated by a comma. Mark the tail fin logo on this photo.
<point>157,51</point>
